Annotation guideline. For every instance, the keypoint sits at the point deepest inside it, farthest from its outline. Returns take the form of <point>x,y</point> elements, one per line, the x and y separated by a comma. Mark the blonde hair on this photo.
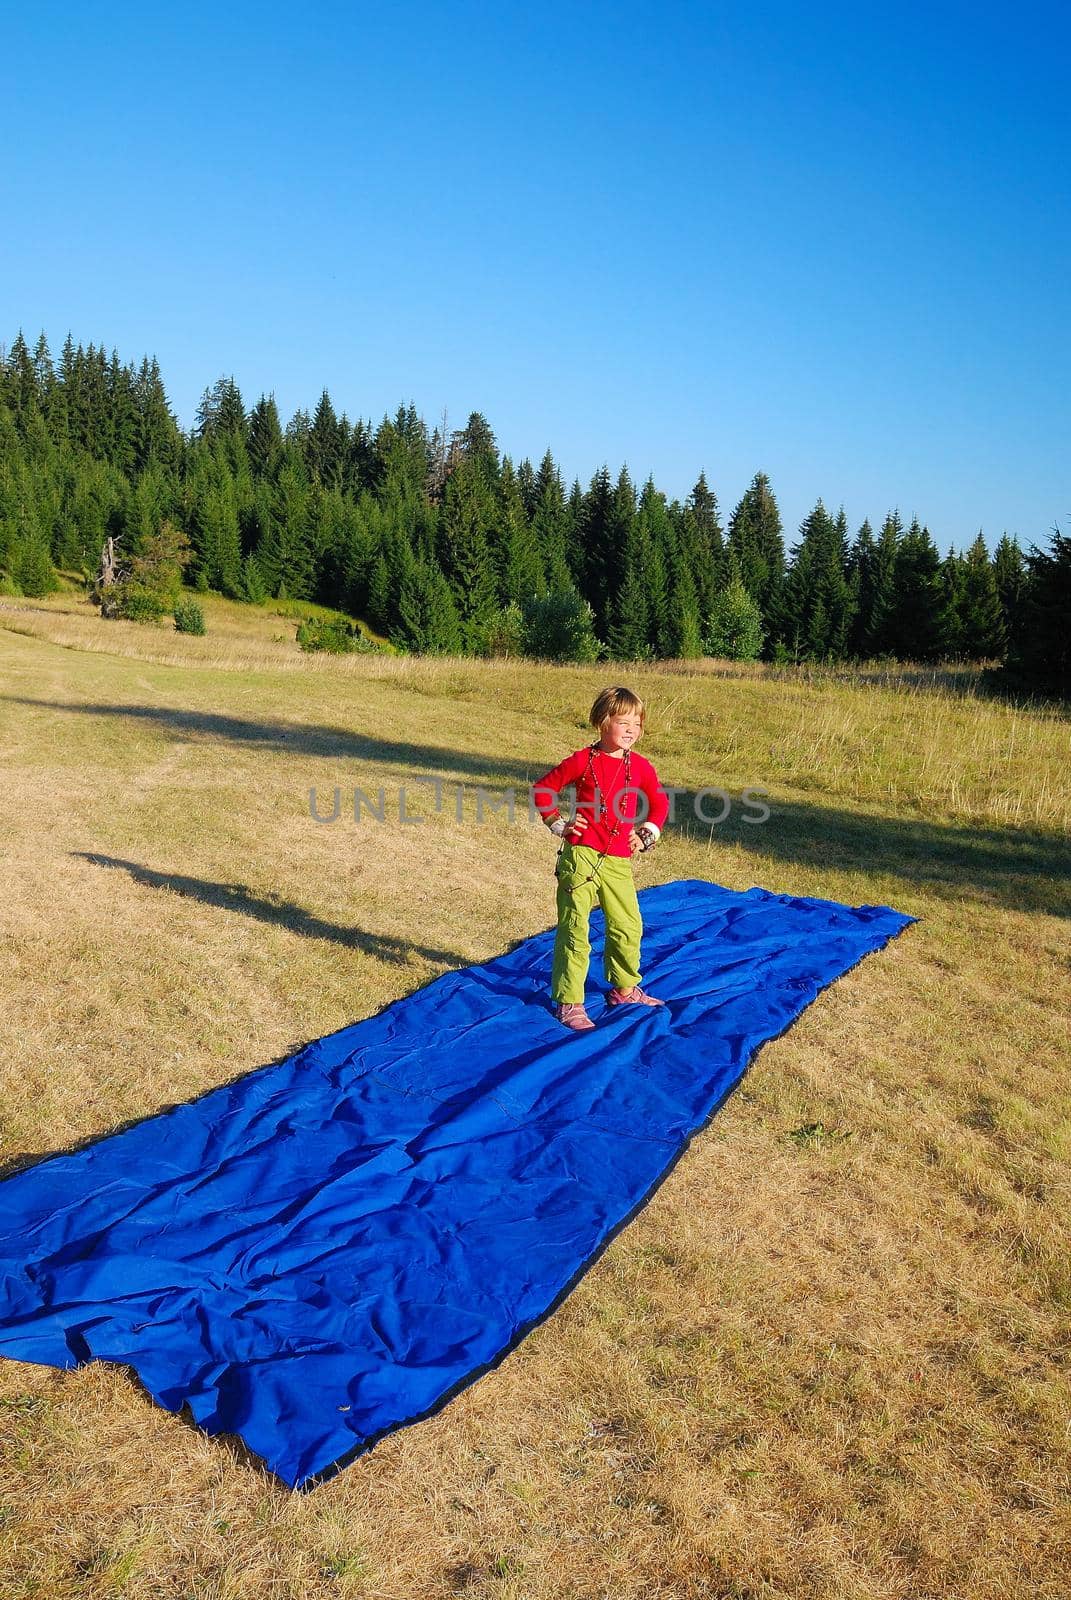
<point>611,703</point>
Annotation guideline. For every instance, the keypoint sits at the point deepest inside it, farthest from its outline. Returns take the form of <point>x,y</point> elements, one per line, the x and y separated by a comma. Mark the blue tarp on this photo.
<point>329,1247</point>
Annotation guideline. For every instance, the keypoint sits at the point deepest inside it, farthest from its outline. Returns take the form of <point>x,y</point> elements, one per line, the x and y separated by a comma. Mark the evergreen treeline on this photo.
<point>441,543</point>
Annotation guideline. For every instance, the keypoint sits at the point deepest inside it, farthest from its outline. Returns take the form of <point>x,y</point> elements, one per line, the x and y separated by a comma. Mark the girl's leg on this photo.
<point>572,947</point>
<point>624,925</point>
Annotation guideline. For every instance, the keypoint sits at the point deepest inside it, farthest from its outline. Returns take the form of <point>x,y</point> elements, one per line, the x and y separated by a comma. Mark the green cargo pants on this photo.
<point>615,890</point>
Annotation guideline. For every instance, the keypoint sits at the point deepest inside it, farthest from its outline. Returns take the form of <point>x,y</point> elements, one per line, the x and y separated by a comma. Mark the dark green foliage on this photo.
<point>326,445</point>
<point>559,627</point>
<point>701,544</point>
<point>427,617</point>
<point>150,581</point>
<point>254,589</point>
<point>139,605</point>
<point>735,630</point>
<point>189,617</point>
<point>756,541</point>
<point>442,544</point>
<point>1040,660</point>
<point>640,594</point>
<point>336,635</point>
<point>265,437</point>
<point>552,525</point>
<point>915,620</point>
<point>284,554</point>
<point>983,631</point>
<point>505,636</point>
<point>520,561</point>
<point>1010,575</point>
<point>816,609</point>
<point>470,517</point>
<point>32,570</point>
<point>950,621</point>
<point>684,637</point>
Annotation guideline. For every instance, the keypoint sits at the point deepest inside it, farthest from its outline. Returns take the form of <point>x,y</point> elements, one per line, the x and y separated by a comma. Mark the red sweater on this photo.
<point>598,784</point>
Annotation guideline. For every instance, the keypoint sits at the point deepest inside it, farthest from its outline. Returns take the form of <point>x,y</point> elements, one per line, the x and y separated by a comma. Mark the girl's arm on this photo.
<point>546,790</point>
<point>657,803</point>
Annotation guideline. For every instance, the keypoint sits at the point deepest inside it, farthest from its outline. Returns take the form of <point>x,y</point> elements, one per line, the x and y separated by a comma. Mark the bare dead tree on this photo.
<point>438,471</point>
<point>112,571</point>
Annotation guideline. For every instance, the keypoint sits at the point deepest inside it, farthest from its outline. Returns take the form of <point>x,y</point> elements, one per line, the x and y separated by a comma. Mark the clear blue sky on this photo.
<point>831,243</point>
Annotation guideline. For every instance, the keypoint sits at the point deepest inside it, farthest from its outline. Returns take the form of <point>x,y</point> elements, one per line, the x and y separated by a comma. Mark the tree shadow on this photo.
<point>279,912</point>
<point>1024,870</point>
<point>310,739</point>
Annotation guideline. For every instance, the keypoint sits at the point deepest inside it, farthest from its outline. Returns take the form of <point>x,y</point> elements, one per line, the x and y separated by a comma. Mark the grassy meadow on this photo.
<point>828,1361</point>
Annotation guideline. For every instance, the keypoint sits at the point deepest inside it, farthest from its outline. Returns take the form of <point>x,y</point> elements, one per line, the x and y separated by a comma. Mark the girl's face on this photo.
<point>621,732</point>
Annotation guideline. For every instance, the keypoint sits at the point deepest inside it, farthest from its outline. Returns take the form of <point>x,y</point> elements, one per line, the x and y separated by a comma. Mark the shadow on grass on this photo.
<point>1022,869</point>
<point>309,739</point>
<point>281,913</point>
<point>1016,868</point>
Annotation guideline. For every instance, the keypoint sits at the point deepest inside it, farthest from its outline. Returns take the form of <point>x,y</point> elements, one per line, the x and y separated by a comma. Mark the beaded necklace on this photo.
<point>593,750</point>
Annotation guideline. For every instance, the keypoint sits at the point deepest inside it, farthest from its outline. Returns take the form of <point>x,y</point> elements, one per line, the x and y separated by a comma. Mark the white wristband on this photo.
<point>558,826</point>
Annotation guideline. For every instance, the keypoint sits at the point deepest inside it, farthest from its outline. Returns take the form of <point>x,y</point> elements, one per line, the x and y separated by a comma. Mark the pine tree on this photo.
<point>950,630</point>
<point>20,383</point>
<point>124,422</point>
<point>816,601</point>
<point>265,436</point>
<point>878,635</point>
<point>660,565</point>
<point>982,616</point>
<point>326,444</point>
<point>521,567</point>
<point>283,554</point>
<point>527,483</point>
<point>1009,571</point>
<point>734,629</point>
<point>552,526</point>
<point>685,635</point>
<point>861,576</point>
<point>915,623</point>
<point>469,515</point>
<point>593,549</point>
<point>213,522</point>
<point>629,630</point>
<point>157,440</point>
<point>755,539</point>
<point>702,543</point>
<point>427,618</point>
<point>254,589</point>
<point>1040,660</point>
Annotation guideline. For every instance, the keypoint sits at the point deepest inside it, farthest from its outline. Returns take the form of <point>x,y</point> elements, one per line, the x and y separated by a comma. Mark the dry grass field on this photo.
<point>825,1368</point>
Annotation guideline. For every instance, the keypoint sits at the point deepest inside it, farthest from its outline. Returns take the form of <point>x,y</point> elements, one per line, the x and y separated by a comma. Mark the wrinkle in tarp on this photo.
<point>328,1248</point>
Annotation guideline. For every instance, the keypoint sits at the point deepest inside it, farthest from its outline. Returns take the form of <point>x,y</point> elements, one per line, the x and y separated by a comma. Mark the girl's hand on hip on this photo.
<point>635,843</point>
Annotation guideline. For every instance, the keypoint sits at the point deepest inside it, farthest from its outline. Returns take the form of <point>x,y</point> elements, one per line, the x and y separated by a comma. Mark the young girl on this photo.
<point>594,862</point>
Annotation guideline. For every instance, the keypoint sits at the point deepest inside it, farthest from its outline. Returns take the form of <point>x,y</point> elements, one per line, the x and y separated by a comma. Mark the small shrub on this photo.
<point>333,634</point>
<point>254,589</point>
<point>34,571</point>
<point>734,630</point>
<point>189,617</point>
<point>505,633</point>
<point>8,585</point>
<point>135,604</point>
<point>560,627</point>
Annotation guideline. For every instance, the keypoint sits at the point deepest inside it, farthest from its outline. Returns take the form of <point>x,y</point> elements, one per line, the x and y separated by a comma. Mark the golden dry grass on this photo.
<point>812,1367</point>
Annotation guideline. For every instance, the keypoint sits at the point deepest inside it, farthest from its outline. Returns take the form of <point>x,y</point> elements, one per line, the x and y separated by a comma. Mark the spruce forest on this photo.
<point>440,544</point>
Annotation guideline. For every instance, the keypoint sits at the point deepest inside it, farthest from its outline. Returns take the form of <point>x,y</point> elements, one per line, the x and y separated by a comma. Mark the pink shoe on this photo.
<point>632,997</point>
<point>572,1013</point>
